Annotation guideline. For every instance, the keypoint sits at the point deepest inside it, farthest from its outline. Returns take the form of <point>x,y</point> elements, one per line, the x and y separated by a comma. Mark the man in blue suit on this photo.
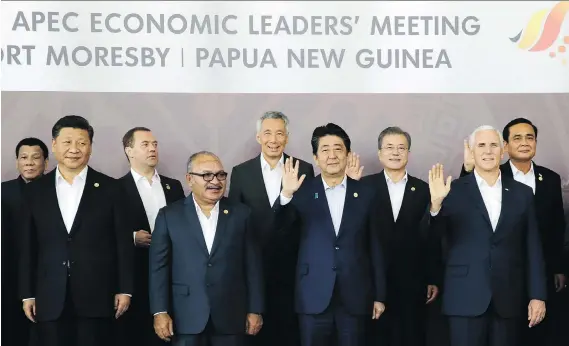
<point>340,275</point>
<point>205,268</point>
<point>495,258</point>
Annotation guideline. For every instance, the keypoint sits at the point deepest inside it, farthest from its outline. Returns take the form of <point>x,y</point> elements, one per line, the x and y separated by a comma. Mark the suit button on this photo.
<point>334,268</point>
<point>209,264</point>
<point>64,263</point>
<point>68,238</point>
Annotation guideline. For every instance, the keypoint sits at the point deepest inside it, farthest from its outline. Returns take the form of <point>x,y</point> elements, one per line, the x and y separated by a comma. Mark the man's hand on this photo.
<point>142,238</point>
<point>353,169</point>
<point>432,293</point>
<point>29,306</point>
<point>254,323</point>
<point>291,182</point>
<point>439,190</point>
<point>378,309</point>
<point>163,326</point>
<point>560,282</point>
<point>536,312</point>
<point>468,158</point>
<point>122,302</point>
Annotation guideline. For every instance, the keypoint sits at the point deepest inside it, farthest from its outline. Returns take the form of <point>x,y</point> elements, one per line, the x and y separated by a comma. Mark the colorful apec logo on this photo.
<point>543,33</point>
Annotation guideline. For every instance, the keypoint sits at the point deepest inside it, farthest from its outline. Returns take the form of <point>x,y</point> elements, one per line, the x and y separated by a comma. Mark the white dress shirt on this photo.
<point>524,178</point>
<point>396,192</point>
<point>152,195</point>
<point>492,196</point>
<point>209,224</point>
<point>69,195</point>
<point>272,178</point>
<point>336,197</point>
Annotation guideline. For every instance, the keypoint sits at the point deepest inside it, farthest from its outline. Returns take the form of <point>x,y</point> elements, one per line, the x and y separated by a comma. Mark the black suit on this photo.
<point>412,262</point>
<point>15,325</point>
<point>279,251</point>
<point>138,324</point>
<point>491,274</point>
<point>75,275</point>
<point>551,221</point>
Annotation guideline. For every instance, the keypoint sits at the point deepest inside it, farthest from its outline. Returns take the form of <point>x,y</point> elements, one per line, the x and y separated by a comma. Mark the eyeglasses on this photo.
<point>221,176</point>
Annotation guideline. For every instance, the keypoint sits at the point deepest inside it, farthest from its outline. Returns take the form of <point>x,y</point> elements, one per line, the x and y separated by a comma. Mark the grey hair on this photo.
<point>272,115</point>
<point>193,157</point>
<point>393,130</point>
<point>472,136</point>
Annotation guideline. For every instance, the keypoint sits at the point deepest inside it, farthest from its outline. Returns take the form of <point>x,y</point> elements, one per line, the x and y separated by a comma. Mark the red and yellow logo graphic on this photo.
<point>543,30</point>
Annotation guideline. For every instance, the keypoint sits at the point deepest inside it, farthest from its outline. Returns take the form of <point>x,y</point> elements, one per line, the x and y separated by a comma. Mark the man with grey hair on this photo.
<point>257,183</point>
<point>205,267</point>
<point>412,258</point>
<point>495,260</point>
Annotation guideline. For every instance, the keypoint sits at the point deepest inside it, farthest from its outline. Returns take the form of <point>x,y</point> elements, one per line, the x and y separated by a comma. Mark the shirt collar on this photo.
<point>265,165</point>
<point>515,170</point>
<point>199,210</point>
<point>137,176</point>
<point>343,183</point>
<point>389,181</point>
<point>59,178</point>
<point>481,182</point>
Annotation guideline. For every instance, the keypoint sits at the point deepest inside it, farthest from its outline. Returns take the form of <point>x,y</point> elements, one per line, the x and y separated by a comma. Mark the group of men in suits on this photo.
<point>287,258</point>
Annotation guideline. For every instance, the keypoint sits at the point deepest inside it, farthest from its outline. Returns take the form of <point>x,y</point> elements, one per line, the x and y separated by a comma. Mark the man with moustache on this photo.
<point>206,279</point>
<point>520,137</point>
<point>146,192</point>
<point>340,281</point>
<point>257,184</point>
<point>411,257</point>
<point>77,257</point>
<point>31,162</point>
<point>495,261</point>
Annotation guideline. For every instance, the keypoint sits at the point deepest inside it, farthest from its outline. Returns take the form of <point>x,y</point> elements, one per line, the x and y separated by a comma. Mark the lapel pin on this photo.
<point>506,189</point>
<point>356,194</point>
<point>412,188</point>
<point>226,211</point>
<point>96,184</point>
<point>167,187</point>
<point>316,195</point>
<point>540,177</point>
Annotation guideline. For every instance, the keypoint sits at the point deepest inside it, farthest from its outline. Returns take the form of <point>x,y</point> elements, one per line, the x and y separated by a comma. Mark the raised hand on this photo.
<point>291,182</point>
<point>468,158</point>
<point>437,186</point>
<point>353,169</point>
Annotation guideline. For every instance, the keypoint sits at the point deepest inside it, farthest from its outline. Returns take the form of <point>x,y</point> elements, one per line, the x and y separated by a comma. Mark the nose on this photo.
<point>332,154</point>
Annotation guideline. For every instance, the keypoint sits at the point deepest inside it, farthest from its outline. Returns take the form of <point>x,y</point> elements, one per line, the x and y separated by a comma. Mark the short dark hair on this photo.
<point>74,122</point>
<point>506,131</point>
<point>128,138</point>
<point>329,129</point>
<point>393,130</point>
<point>32,142</point>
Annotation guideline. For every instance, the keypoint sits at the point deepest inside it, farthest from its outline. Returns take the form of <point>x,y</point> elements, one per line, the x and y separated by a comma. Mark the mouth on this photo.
<point>488,159</point>
<point>213,188</point>
<point>395,160</point>
<point>273,147</point>
<point>152,157</point>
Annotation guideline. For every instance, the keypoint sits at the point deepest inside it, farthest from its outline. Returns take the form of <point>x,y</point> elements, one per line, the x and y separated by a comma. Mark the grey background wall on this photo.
<point>225,124</point>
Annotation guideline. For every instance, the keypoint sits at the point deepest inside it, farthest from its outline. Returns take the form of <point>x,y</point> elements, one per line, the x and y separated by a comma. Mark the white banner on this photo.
<point>286,47</point>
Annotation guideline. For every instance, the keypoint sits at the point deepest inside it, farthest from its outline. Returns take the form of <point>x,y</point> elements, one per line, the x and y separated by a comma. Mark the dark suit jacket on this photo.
<point>505,266</point>
<point>97,254</point>
<point>173,191</point>
<point>550,217</point>
<point>225,285</point>
<point>352,260</point>
<point>279,248</point>
<point>412,257</point>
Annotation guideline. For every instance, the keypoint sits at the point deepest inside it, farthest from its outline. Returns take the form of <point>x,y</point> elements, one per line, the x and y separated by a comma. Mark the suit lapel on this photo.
<point>407,202</point>
<point>52,204</point>
<point>321,203</point>
<point>86,199</point>
<point>385,199</point>
<point>168,194</point>
<point>350,206</point>
<point>257,181</point>
<point>508,200</point>
<point>222,218</point>
<point>195,227</point>
<point>538,178</point>
<point>477,198</point>
<point>134,196</point>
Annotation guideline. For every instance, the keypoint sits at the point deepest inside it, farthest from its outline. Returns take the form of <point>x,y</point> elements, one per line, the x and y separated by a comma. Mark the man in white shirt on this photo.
<point>257,184</point>
<point>147,192</point>
<point>76,267</point>
<point>495,264</point>
<point>412,258</point>
<point>206,278</point>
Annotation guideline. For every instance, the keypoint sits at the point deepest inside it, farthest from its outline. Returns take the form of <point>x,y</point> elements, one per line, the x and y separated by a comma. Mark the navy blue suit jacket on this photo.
<point>352,260</point>
<point>191,284</point>
<point>504,266</point>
